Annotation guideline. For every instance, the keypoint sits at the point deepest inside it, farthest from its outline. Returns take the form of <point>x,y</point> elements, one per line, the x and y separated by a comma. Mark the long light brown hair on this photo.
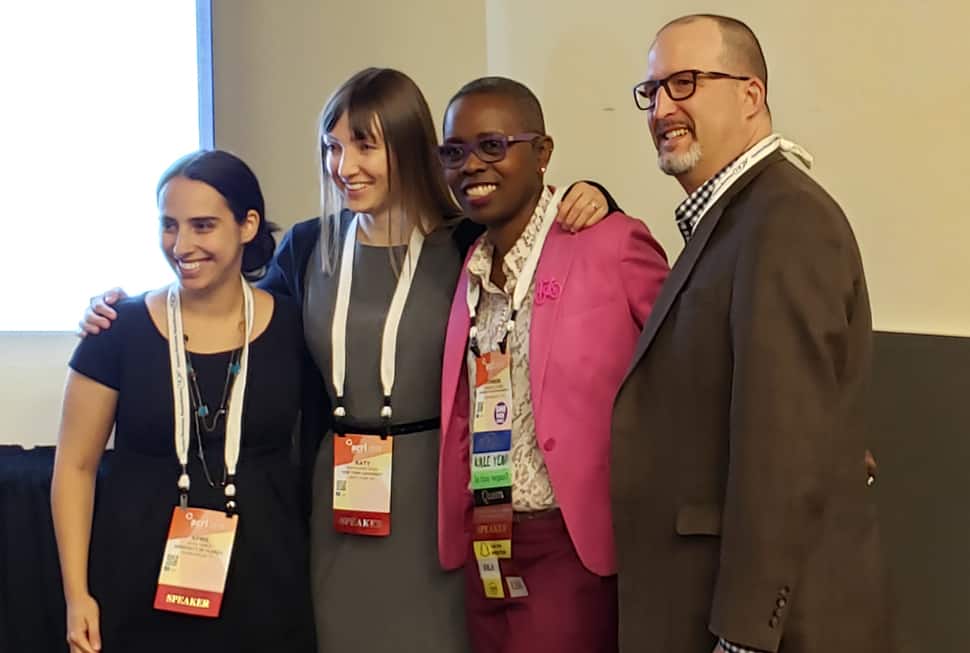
<point>417,191</point>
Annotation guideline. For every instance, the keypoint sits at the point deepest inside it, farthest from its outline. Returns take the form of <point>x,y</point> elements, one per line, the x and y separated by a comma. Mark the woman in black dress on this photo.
<point>242,350</point>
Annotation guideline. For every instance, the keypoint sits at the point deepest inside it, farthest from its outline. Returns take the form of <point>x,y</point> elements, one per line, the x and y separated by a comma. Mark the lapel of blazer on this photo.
<point>688,259</point>
<point>553,268</point>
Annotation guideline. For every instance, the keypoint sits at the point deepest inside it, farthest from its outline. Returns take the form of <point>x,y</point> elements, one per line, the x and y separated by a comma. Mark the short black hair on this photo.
<point>525,100</point>
<point>235,181</point>
<point>742,50</point>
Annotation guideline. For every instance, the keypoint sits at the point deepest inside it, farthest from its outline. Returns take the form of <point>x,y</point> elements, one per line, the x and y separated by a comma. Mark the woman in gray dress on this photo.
<point>381,177</point>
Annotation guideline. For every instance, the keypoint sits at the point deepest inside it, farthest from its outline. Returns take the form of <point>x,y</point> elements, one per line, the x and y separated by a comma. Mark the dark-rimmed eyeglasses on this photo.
<point>679,86</point>
<point>489,148</point>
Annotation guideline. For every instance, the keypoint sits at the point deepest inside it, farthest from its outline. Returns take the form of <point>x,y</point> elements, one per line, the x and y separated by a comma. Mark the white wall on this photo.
<point>275,63</point>
<point>878,92</point>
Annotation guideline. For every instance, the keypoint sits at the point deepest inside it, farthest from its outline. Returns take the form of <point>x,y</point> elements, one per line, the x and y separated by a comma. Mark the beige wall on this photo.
<point>878,92</point>
<point>276,62</point>
<point>32,385</point>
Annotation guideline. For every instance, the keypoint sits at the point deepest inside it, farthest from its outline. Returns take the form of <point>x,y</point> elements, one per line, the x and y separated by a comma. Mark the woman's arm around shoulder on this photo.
<point>285,273</point>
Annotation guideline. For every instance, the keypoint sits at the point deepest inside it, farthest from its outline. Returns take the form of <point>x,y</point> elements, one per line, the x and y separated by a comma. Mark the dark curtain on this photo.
<point>31,598</point>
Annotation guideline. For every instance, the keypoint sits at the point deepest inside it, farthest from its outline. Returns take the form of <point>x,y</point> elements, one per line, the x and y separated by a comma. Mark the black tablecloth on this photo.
<point>31,599</point>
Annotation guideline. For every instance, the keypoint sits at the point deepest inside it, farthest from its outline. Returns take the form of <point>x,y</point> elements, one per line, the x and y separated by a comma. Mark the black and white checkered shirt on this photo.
<point>688,213</point>
<point>734,648</point>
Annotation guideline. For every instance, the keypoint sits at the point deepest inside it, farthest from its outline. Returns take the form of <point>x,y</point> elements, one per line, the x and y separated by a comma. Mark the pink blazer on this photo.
<point>593,292</point>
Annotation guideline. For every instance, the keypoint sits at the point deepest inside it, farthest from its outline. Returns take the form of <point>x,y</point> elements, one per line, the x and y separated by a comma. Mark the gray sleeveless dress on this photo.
<point>378,594</point>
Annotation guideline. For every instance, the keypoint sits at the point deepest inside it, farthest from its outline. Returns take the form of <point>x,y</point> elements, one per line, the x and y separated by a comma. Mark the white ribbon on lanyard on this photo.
<point>338,333</point>
<point>758,152</point>
<point>180,390</point>
<point>524,280</point>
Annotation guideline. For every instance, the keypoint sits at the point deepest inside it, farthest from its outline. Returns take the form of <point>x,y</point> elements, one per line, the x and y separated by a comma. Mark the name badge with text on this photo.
<point>362,484</point>
<point>491,468</point>
<point>196,561</point>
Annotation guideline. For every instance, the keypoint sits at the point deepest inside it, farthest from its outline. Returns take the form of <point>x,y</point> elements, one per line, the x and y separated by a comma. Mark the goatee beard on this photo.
<point>677,164</point>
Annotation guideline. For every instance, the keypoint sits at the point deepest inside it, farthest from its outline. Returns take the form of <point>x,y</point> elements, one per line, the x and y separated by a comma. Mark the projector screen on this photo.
<point>99,98</point>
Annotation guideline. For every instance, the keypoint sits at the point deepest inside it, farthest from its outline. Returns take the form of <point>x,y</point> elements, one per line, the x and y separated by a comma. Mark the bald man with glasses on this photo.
<point>741,511</point>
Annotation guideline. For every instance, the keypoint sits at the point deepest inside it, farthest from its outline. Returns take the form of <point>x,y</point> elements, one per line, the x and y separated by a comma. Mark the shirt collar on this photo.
<point>689,212</point>
<point>480,264</point>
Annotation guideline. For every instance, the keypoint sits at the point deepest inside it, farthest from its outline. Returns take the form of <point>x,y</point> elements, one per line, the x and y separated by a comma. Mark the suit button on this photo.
<point>550,444</point>
<point>785,591</point>
<point>777,612</point>
<point>781,603</point>
<point>773,622</point>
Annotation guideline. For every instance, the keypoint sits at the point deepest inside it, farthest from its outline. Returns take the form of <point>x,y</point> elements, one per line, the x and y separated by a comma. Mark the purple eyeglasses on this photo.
<point>489,148</point>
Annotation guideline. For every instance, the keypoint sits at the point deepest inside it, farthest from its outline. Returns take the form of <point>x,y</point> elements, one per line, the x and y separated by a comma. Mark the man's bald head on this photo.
<point>742,53</point>
<point>721,109</point>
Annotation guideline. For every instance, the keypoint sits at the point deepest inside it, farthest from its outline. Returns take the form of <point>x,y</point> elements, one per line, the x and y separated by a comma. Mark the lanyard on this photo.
<point>338,334</point>
<point>522,282</point>
<point>758,152</point>
<point>180,392</point>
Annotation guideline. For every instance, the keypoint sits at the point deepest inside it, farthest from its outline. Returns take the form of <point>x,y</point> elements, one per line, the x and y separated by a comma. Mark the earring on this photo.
<point>542,169</point>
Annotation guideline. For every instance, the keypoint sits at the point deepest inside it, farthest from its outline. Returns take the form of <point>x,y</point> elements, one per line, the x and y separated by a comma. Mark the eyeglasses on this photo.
<point>679,86</point>
<point>489,148</point>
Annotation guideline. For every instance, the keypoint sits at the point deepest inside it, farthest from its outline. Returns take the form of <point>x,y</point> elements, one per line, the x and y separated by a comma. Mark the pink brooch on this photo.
<point>547,289</point>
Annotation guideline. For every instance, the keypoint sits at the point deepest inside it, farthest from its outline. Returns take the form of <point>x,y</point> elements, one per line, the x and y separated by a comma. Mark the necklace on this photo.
<point>205,419</point>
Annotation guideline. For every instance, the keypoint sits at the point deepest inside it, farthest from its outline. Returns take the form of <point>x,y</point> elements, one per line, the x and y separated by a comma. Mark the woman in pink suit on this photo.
<point>542,329</point>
